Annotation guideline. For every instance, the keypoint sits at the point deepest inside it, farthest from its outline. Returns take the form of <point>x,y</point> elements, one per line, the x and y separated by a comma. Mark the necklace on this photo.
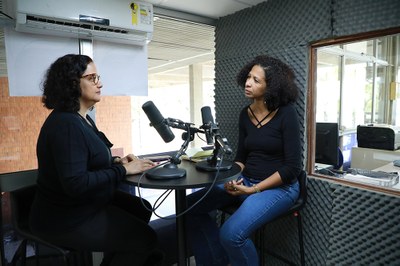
<point>258,125</point>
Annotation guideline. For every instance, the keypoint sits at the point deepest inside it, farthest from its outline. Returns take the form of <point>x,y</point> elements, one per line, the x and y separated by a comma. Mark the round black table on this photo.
<point>194,179</point>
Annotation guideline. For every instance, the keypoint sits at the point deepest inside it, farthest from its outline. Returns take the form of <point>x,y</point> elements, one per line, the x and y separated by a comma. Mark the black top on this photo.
<point>273,147</point>
<point>76,175</point>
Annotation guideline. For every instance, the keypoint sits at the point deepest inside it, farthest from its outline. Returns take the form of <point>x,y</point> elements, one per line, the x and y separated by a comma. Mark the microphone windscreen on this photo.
<point>206,115</point>
<point>158,121</point>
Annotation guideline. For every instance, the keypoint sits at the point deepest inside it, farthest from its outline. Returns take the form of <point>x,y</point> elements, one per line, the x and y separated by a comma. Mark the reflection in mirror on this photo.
<point>357,86</point>
<point>353,82</point>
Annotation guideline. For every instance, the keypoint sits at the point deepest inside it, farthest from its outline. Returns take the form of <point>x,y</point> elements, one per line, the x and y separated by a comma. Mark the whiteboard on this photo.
<point>29,56</point>
<point>123,68</point>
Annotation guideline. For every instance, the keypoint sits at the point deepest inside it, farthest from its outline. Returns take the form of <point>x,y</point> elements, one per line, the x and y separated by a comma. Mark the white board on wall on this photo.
<point>29,56</point>
<point>123,68</point>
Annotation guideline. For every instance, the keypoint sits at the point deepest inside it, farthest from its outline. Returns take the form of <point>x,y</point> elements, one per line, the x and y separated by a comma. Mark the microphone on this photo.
<point>158,121</point>
<point>170,170</point>
<point>208,122</point>
<point>211,131</point>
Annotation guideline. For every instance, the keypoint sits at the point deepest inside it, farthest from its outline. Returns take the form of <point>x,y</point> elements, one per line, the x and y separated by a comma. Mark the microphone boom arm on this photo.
<point>176,158</point>
<point>176,123</point>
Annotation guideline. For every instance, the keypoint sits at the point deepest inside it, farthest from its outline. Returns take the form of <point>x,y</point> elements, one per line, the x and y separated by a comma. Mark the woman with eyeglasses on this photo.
<point>78,204</point>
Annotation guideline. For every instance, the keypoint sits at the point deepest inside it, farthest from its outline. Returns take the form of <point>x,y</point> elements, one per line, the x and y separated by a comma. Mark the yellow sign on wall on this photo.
<point>135,13</point>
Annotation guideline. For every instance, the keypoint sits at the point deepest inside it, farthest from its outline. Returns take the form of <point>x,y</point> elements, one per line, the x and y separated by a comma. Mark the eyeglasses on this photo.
<point>93,78</point>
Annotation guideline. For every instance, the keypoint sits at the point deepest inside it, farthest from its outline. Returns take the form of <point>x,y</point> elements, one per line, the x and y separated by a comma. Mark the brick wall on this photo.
<point>113,117</point>
<point>22,117</point>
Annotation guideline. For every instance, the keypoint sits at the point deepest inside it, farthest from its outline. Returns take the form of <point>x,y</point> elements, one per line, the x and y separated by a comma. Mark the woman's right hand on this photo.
<point>138,166</point>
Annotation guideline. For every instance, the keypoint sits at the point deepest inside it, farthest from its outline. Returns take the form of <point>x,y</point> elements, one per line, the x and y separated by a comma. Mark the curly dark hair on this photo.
<point>61,87</point>
<point>279,77</point>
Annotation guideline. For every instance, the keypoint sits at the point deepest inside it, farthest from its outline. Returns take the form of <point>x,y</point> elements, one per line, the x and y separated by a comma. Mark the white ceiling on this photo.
<point>207,8</point>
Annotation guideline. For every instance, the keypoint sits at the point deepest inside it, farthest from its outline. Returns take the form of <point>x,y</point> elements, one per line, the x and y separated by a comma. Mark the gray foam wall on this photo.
<point>342,225</point>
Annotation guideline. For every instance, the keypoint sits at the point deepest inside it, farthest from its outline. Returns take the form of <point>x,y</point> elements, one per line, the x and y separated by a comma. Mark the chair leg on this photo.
<point>36,250</point>
<point>20,254</point>
<point>69,259</point>
<point>261,242</point>
<point>300,229</point>
<point>78,258</point>
<point>86,258</point>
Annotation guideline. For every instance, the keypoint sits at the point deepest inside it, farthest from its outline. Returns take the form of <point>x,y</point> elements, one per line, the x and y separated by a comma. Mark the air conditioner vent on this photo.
<point>76,25</point>
<point>123,21</point>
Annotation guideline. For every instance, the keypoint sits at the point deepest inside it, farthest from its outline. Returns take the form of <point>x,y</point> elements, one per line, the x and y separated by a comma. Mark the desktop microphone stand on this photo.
<point>171,170</point>
<point>214,162</point>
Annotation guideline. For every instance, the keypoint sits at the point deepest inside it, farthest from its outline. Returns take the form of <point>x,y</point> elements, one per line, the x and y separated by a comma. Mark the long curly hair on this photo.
<point>61,87</point>
<point>279,77</point>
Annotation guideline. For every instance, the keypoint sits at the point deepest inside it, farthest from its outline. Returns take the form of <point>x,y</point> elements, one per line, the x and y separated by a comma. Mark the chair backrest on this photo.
<point>16,180</point>
<point>21,202</point>
<point>303,189</point>
<point>10,182</point>
<point>22,184</point>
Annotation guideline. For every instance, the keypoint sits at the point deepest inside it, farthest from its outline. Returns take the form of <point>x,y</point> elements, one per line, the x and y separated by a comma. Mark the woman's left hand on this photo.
<point>128,158</point>
<point>137,166</point>
<point>236,187</point>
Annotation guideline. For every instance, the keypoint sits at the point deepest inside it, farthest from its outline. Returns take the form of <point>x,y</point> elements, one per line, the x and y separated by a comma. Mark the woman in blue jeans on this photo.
<point>269,154</point>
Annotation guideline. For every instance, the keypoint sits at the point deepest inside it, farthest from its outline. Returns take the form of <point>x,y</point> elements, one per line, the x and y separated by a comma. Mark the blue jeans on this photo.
<point>231,243</point>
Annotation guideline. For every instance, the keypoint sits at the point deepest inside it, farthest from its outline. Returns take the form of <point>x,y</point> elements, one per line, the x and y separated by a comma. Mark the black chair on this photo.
<point>9,182</point>
<point>21,201</point>
<point>293,211</point>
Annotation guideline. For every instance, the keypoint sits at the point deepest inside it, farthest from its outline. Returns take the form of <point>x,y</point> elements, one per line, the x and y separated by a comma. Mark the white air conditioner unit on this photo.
<point>121,21</point>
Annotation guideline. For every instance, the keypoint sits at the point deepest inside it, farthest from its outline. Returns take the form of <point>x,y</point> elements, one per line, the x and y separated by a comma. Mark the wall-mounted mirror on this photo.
<point>356,97</point>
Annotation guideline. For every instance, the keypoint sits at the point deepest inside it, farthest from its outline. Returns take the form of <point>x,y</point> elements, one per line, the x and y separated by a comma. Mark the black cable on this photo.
<point>167,192</point>
<point>198,201</point>
<point>4,14</point>
<point>138,185</point>
<point>153,209</point>
<point>162,198</point>
<point>197,134</point>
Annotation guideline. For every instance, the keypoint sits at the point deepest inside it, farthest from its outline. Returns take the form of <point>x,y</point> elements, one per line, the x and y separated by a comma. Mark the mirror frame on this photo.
<point>311,105</point>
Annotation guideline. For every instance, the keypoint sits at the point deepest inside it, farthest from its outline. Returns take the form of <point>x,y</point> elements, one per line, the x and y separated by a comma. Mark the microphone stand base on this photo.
<point>165,173</point>
<point>207,166</point>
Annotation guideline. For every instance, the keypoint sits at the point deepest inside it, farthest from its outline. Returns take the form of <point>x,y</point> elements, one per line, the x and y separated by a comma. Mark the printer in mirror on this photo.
<point>378,136</point>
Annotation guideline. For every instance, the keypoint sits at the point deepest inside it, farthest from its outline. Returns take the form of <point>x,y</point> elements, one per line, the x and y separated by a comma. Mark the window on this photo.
<point>356,82</point>
<point>181,81</point>
<point>171,93</point>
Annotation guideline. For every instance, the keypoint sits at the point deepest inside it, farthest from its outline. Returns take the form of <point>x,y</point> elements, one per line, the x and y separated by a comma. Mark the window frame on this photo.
<point>311,106</point>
